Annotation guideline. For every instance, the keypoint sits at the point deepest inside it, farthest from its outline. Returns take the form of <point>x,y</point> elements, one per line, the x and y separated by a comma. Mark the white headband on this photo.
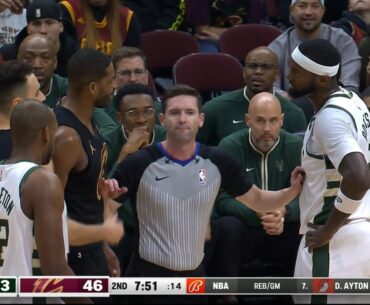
<point>295,1</point>
<point>312,66</point>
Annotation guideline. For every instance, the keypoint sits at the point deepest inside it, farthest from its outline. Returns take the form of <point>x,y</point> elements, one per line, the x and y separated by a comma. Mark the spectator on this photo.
<point>208,19</point>
<point>44,17</point>
<point>158,14</point>
<point>12,20</point>
<point>130,68</point>
<point>38,51</point>
<point>307,18</point>
<point>356,20</point>
<point>102,25</point>
<point>225,114</point>
<point>269,154</point>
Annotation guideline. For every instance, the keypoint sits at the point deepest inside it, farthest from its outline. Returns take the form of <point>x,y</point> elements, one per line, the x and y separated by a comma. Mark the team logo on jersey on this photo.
<point>202,176</point>
<point>280,165</point>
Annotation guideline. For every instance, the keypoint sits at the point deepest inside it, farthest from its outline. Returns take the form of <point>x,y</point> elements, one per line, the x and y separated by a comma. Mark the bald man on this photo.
<point>225,114</point>
<point>33,210</point>
<point>40,53</point>
<point>268,153</point>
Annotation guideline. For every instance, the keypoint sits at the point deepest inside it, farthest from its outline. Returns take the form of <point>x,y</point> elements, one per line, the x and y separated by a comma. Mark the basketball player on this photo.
<point>31,198</point>
<point>334,212</point>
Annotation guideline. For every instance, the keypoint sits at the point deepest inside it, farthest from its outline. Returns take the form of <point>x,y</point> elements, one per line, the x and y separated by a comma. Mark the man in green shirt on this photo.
<point>225,114</point>
<point>38,51</point>
<point>268,154</point>
<point>136,114</point>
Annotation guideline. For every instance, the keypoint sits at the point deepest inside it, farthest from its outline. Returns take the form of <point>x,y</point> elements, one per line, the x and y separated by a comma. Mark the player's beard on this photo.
<point>296,93</point>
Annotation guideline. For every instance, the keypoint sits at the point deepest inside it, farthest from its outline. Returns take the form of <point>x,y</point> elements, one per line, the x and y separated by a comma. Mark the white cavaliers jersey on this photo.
<point>340,127</point>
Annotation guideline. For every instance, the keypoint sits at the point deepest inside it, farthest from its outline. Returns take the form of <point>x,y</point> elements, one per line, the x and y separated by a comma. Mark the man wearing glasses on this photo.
<point>135,112</point>
<point>129,65</point>
<point>225,114</point>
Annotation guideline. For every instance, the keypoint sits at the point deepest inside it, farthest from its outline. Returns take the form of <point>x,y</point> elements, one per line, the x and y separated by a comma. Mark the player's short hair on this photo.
<point>13,81</point>
<point>181,90</point>
<point>86,66</point>
<point>130,90</point>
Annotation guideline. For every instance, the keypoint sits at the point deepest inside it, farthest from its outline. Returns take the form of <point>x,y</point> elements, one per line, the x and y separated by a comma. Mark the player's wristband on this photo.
<point>345,204</point>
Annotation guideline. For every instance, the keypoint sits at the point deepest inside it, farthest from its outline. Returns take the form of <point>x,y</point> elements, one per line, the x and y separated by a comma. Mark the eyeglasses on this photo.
<point>264,67</point>
<point>127,73</point>
<point>134,114</point>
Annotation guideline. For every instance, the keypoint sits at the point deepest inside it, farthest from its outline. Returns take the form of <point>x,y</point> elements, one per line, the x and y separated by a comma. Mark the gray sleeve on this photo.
<point>279,48</point>
<point>351,60</point>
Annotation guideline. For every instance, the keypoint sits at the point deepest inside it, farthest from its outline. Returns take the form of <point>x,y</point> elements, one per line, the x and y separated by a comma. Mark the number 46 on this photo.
<point>93,285</point>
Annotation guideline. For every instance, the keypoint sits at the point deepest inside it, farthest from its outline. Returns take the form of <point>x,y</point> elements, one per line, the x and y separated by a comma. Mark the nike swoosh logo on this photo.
<point>237,122</point>
<point>159,179</point>
<point>249,169</point>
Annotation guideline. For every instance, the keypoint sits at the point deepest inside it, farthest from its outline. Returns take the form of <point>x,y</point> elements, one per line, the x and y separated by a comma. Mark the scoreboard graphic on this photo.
<point>79,286</point>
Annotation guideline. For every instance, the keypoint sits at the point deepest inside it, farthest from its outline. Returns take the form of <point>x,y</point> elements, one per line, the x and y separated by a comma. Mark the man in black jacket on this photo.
<point>44,17</point>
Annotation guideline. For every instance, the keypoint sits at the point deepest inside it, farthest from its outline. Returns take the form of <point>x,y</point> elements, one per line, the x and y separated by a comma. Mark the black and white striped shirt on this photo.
<point>173,200</point>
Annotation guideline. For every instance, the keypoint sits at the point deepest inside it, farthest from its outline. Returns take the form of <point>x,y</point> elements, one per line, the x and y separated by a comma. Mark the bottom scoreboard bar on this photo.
<point>76,286</point>
<point>239,286</point>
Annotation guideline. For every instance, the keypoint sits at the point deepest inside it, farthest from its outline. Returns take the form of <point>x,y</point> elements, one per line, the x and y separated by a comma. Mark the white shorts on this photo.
<point>349,256</point>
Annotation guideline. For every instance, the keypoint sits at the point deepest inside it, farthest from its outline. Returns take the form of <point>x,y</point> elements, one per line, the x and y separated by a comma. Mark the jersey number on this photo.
<point>4,235</point>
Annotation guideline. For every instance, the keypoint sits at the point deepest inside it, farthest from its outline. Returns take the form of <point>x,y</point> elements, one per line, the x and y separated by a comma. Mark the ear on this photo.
<point>61,27</point>
<point>55,62</point>
<point>93,88</point>
<point>247,119</point>
<point>45,133</point>
<point>161,118</point>
<point>15,101</point>
<point>282,119</point>
<point>119,117</point>
<point>201,119</point>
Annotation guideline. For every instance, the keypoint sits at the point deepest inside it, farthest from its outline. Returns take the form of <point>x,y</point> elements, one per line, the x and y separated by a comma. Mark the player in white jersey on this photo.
<point>335,216</point>
<point>31,198</point>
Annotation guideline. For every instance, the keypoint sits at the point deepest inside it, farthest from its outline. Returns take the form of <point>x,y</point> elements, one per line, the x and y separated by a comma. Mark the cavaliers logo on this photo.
<point>48,285</point>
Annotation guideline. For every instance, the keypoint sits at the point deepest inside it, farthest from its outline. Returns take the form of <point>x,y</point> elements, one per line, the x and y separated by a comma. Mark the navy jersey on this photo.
<point>84,202</point>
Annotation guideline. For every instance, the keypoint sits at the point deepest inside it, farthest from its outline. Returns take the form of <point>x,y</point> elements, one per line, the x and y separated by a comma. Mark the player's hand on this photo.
<point>273,222</point>
<point>109,188</point>
<point>316,237</point>
<point>113,229</point>
<point>297,179</point>
<point>112,262</point>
